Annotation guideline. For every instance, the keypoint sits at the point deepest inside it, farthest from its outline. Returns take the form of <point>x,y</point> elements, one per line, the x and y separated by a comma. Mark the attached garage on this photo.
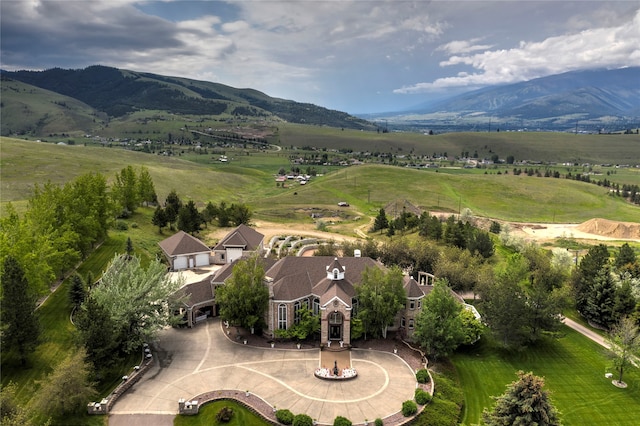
<point>180,262</point>
<point>184,251</point>
<point>202,259</point>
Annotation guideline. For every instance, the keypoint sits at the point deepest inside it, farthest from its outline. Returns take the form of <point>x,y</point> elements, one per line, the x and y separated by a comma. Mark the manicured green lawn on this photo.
<point>573,367</point>
<point>207,416</point>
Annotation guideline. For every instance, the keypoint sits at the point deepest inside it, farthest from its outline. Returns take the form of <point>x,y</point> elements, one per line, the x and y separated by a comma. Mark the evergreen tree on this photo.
<point>381,222</point>
<point>77,290</point>
<point>189,218</point>
<point>20,328</point>
<point>625,256</point>
<point>98,333</point>
<point>172,206</point>
<point>239,214</point>
<point>481,244</point>
<point>524,403</point>
<point>159,218</point>
<point>601,300</point>
<point>590,266</point>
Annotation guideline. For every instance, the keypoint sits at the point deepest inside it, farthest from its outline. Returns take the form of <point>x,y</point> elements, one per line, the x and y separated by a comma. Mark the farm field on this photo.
<point>573,367</point>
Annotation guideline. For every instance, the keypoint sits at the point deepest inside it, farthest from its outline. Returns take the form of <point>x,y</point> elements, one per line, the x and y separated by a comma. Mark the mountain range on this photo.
<point>67,100</point>
<point>596,98</point>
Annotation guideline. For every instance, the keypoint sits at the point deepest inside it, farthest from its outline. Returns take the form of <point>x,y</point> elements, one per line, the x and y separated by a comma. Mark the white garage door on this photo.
<point>180,262</point>
<point>202,259</point>
<point>233,254</point>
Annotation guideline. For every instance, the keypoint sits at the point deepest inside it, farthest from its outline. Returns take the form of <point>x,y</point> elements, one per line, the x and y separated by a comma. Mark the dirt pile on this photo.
<point>610,228</point>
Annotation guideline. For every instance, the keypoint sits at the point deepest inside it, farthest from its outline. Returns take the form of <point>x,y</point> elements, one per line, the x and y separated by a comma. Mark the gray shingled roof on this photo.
<point>413,289</point>
<point>296,277</point>
<point>243,236</point>
<point>197,292</point>
<point>182,243</point>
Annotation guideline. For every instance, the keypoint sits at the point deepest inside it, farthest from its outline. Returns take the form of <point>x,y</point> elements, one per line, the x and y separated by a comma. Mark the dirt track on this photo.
<point>593,229</point>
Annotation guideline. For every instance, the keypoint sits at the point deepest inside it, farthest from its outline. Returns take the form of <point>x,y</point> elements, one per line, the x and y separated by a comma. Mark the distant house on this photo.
<point>242,241</point>
<point>184,251</point>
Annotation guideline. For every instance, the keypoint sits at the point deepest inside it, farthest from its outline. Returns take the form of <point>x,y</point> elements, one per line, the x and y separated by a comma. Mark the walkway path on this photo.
<point>193,361</point>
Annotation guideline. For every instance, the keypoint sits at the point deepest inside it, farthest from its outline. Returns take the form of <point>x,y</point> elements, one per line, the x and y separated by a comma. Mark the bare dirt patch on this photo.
<point>610,228</point>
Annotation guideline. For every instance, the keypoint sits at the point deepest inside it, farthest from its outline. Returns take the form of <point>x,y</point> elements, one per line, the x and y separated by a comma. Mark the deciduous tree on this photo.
<point>67,389</point>
<point>125,191</point>
<point>380,296</point>
<point>139,301</point>
<point>439,325</point>
<point>244,298</point>
<point>146,189</point>
<point>624,342</point>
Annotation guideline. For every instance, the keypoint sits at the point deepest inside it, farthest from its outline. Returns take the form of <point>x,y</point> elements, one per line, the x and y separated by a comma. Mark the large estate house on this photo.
<point>324,284</point>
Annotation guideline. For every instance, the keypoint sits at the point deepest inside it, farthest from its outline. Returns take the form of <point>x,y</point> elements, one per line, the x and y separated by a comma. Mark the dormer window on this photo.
<point>335,271</point>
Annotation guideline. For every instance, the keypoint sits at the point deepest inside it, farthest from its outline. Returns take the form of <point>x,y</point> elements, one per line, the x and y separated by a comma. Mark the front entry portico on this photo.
<point>335,326</point>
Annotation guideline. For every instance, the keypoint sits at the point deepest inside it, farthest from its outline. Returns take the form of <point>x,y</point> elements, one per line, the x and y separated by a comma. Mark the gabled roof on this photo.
<point>182,243</point>
<point>342,290</point>
<point>242,236</point>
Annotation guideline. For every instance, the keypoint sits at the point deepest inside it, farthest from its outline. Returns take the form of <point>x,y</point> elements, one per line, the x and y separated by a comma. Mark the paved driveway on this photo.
<point>193,361</point>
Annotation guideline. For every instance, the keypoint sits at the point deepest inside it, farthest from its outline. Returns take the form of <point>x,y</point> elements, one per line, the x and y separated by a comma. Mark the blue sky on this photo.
<point>355,56</point>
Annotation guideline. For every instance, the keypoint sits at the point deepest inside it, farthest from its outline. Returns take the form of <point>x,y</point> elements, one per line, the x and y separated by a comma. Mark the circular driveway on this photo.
<point>189,362</point>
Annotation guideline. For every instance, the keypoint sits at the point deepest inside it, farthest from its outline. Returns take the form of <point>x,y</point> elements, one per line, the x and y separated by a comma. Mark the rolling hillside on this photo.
<point>119,92</point>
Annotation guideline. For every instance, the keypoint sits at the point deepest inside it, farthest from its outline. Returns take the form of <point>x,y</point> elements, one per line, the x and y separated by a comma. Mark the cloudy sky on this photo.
<point>355,56</point>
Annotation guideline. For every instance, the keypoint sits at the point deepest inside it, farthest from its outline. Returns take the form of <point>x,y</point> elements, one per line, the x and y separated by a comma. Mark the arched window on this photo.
<point>296,312</point>
<point>335,273</point>
<point>282,316</point>
<point>335,318</point>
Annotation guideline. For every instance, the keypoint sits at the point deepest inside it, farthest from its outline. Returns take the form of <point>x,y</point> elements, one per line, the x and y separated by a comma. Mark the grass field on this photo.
<point>248,178</point>
<point>541,146</point>
<point>207,416</point>
<point>573,367</point>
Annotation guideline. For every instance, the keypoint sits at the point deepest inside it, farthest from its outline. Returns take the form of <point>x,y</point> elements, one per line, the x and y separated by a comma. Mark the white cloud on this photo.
<point>604,47</point>
<point>463,46</point>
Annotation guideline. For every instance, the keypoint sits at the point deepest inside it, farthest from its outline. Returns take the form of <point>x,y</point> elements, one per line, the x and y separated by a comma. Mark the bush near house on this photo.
<point>421,396</point>
<point>284,416</point>
<point>422,376</point>
<point>409,408</point>
<point>341,421</point>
